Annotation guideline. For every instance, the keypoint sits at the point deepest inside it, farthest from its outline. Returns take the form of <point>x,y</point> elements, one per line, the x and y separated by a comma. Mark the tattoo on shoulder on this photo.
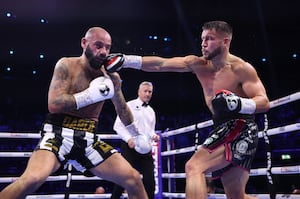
<point>61,72</point>
<point>60,77</point>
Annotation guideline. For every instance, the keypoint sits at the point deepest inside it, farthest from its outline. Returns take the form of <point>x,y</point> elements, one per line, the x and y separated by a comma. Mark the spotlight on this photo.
<point>263,59</point>
<point>10,15</point>
<point>294,55</point>
<point>167,39</point>
<point>42,56</point>
<point>42,20</point>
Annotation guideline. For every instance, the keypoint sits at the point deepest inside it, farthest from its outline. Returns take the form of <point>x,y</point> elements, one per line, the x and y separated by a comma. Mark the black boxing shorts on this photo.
<point>240,138</point>
<point>71,143</point>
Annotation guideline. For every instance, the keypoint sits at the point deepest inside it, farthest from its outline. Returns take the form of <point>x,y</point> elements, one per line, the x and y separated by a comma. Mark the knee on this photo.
<point>134,179</point>
<point>189,167</point>
<point>193,167</point>
<point>136,176</point>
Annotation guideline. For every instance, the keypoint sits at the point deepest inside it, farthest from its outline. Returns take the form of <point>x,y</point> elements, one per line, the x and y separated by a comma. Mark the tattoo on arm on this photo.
<point>122,108</point>
<point>59,88</point>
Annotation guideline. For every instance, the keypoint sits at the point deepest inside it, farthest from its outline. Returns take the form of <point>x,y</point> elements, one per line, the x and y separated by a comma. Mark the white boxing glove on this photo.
<point>100,89</point>
<point>142,144</point>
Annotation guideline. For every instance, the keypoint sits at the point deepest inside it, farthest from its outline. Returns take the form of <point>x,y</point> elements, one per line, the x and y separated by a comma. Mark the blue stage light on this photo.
<point>43,20</point>
<point>294,55</point>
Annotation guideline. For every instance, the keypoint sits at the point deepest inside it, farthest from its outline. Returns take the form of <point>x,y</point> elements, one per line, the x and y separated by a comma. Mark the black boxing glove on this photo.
<point>227,102</point>
<point>113,62</point>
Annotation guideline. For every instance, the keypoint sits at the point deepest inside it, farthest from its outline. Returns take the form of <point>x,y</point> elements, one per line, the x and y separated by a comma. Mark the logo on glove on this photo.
<point>232,102</point>
<point>104,90</point>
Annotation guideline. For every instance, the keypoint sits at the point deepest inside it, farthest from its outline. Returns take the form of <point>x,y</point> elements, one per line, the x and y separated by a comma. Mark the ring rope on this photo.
<point>71,196</point>
<point>53,178</point>
<point>223,196</point>
<point>37,135</point>
<point>285,100</point>
<point>166,194</point>
<point>253,172</point>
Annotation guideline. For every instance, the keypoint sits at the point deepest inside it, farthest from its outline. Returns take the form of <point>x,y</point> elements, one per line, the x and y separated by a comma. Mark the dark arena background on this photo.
<point>36,33</point>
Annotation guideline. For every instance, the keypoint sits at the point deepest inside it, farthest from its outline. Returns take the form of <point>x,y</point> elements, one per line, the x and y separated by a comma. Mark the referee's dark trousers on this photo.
<point>141,162</point>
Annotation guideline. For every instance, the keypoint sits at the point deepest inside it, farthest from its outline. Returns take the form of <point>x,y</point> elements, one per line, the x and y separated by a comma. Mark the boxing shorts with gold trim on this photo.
<point>73,140</point>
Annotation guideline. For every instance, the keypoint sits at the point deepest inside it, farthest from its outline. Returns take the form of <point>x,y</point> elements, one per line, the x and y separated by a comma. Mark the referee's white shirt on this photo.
<point>144,119</point>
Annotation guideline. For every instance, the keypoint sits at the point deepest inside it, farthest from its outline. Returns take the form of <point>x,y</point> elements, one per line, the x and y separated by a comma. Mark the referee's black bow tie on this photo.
<point>145,104</point>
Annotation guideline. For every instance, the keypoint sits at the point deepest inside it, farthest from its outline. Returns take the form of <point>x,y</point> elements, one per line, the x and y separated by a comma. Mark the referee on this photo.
<point>145,119</point>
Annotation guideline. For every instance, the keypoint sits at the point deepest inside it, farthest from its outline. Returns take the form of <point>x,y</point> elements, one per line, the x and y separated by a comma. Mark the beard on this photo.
<point>93,61</point>
<point>213,54</point>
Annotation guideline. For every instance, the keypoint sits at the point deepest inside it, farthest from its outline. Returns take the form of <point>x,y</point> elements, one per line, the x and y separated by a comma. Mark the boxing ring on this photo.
<point>164,155</point>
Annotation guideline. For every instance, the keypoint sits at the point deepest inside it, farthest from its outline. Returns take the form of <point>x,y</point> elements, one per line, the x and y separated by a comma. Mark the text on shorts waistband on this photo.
<point>72,122</point>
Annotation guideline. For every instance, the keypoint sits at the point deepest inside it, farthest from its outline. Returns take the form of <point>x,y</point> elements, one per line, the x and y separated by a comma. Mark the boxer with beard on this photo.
<point>76,95</point>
